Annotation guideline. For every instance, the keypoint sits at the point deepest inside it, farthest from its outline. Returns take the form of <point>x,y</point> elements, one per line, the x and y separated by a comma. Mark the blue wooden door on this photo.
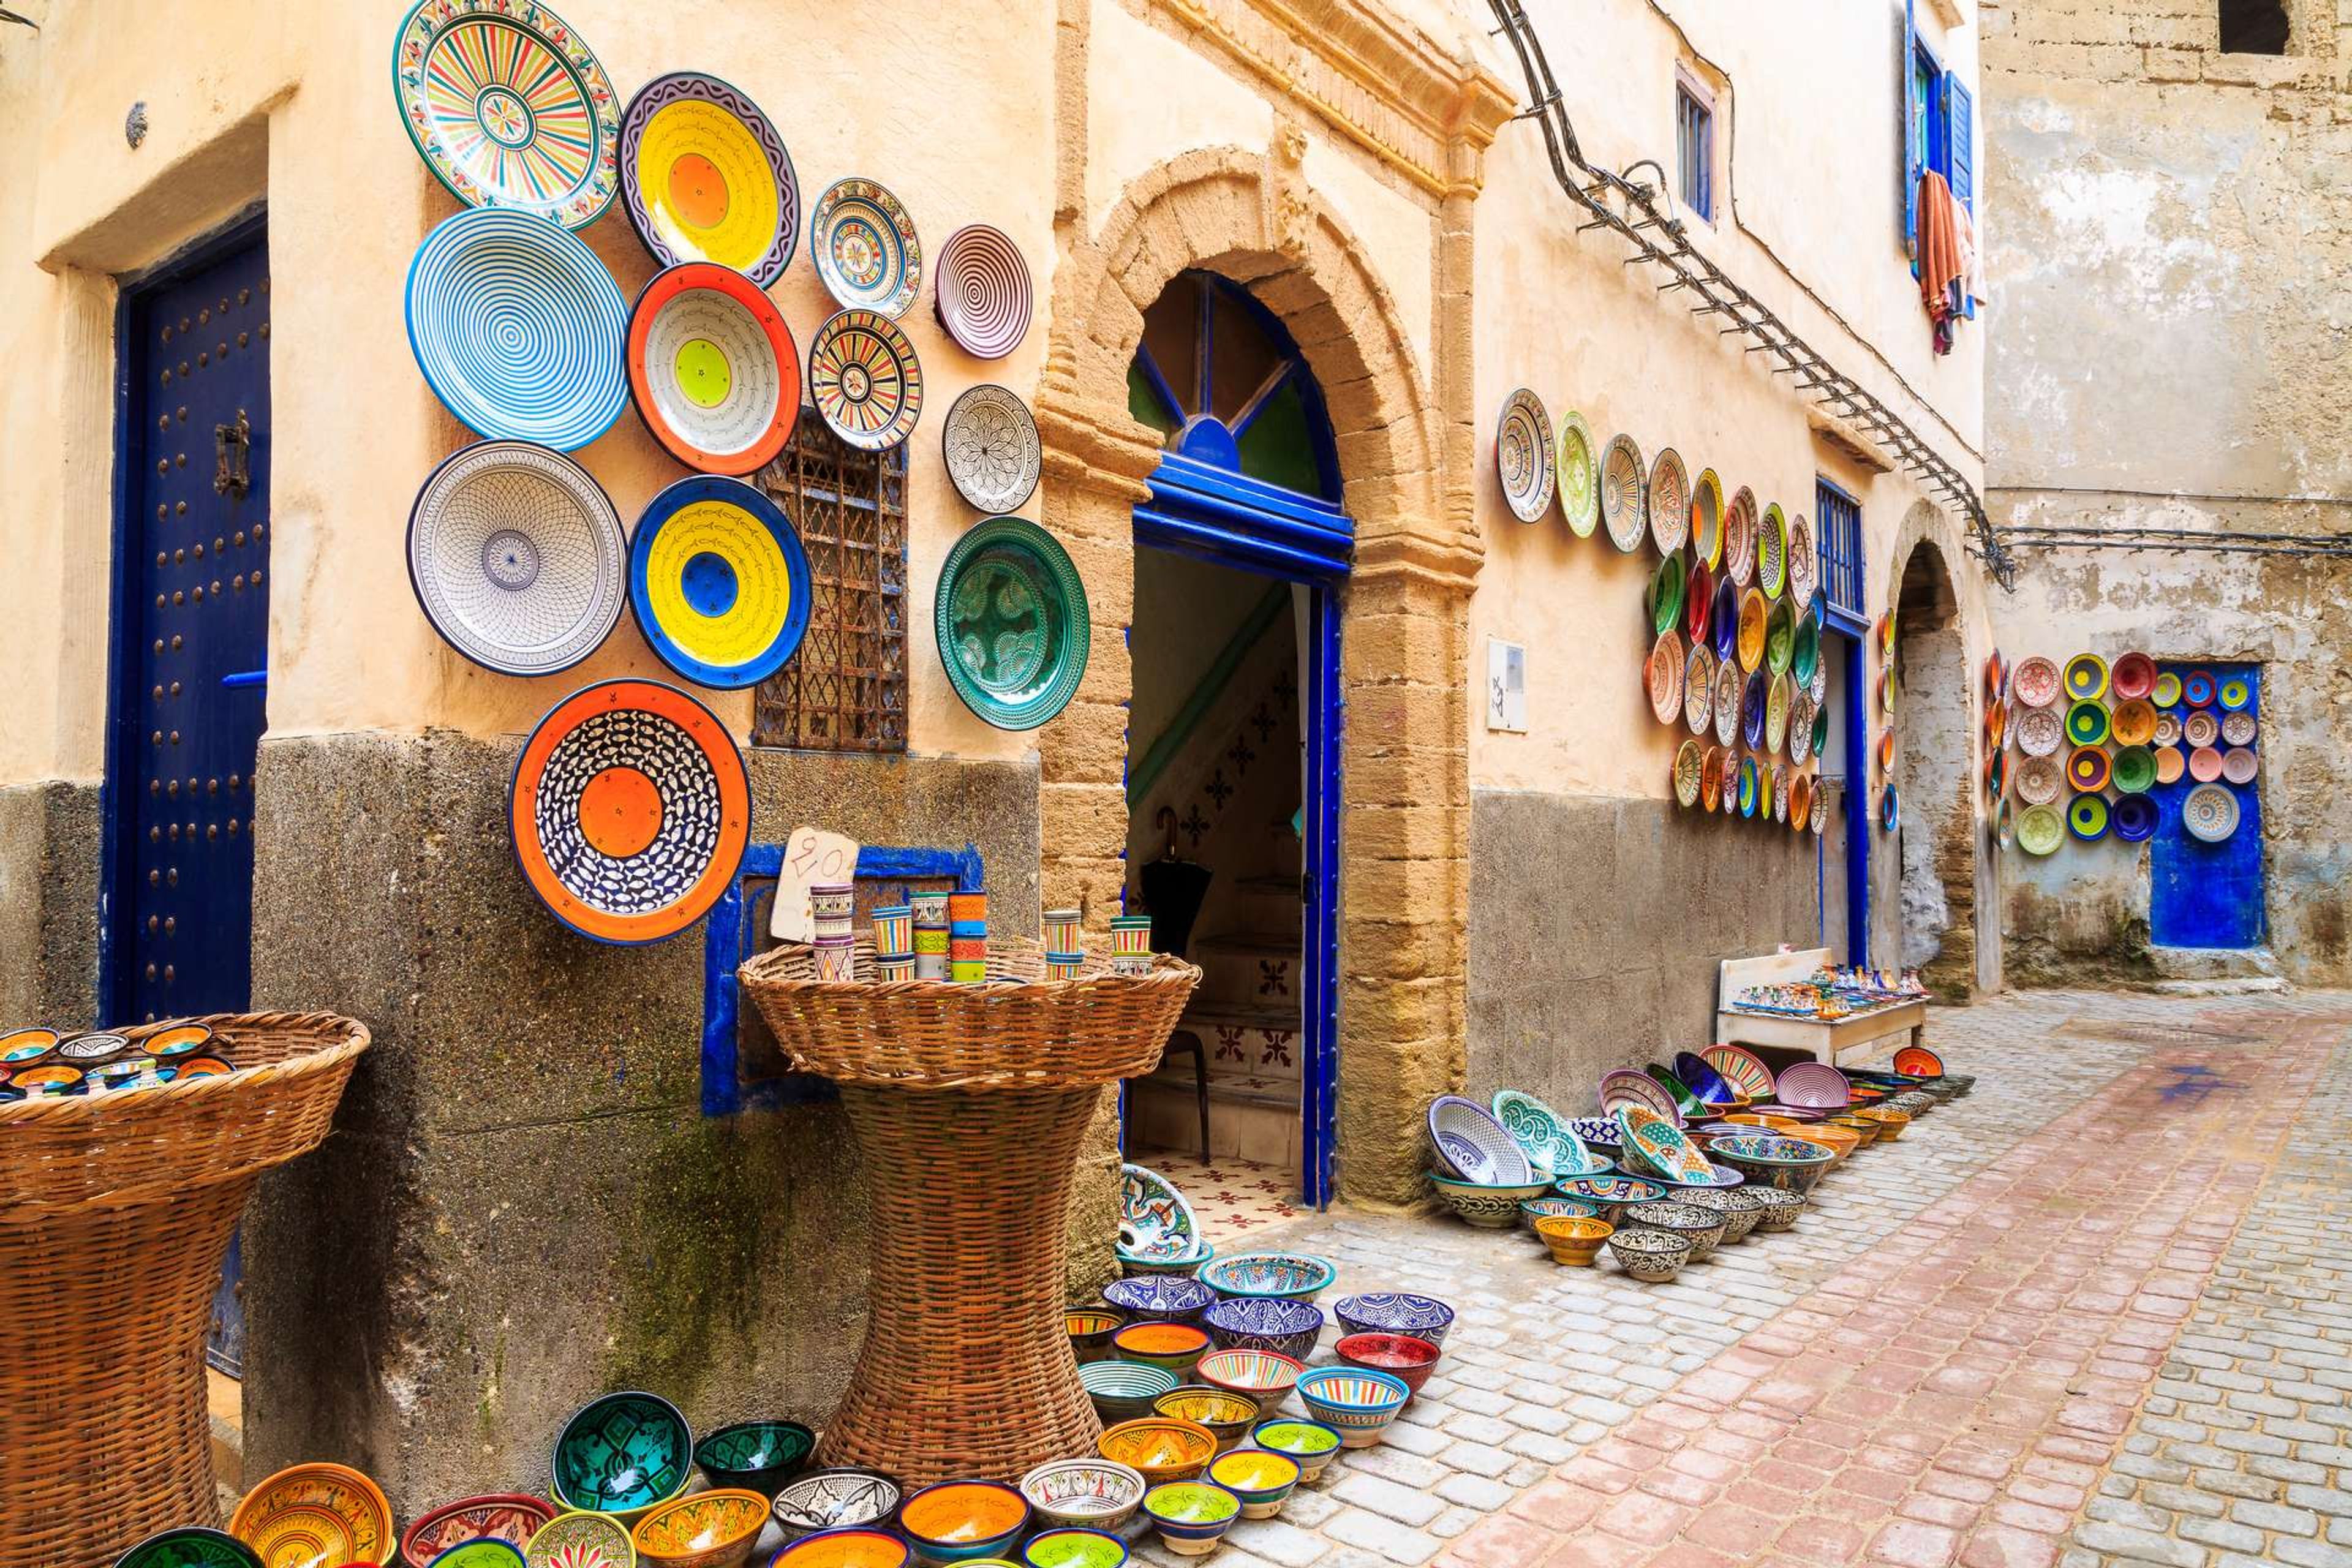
<point>2200,894</point>
<point>190,646</point>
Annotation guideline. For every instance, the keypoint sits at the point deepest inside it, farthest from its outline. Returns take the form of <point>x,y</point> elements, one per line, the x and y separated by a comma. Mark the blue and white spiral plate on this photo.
<point>518,328</point>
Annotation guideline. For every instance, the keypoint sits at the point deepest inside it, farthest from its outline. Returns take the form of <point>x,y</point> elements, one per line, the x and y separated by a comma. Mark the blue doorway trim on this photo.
<point>1857,790</point>
<point>1319,824</point>
<point>2205,895</point>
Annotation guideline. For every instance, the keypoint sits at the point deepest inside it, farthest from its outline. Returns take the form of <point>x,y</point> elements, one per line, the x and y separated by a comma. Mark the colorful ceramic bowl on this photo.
<point>1311,1442</point>
<point>849,1548</point>
<point>1135,1265</point>
<point>1535,1209</point>
<point>1407,1359</point>
<point>1771,1160</point>
<point>1161,1447</point>
<point>1160,1299</point>
<point>624,1454</point>
<point>956,1522</point>
<point>1891,1122</point>
<point>1291,1275</point>
<point>1357,1403</point>
<point>189,1546</point>
<point>1397,1312</point>
<point>1609,1195</point>
<point>513,1517</point>
<point>839,1498</point>
<point>317,1512</point>
<point>580,1538</point>
<point>1780,1208</point>
<point>1123,1390</point>
<point>1737,1206</point>
<point>1227,1416</point>
<point>1069,1548</point>
<point>715,1528</point>
<point>483,1551</point>
<point>1090,1332</point>
<point>1717,1177</point>
<point>1266,1323</point>
<point>755,1456</point>
<point>1097,1493</point>
<point>1573,1241</point>
<point>1171,1347</point>
<point>1702,1228</point>
<point>1261,1478</point>
<point>1861,1129</point>
<point>1652,1256</point>
<point>1192,1516</point>
<point>1488,1208</point>
<point>1263,1377</point>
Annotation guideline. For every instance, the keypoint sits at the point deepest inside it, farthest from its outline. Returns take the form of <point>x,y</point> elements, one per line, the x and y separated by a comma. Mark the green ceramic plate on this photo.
<point>2134,770</point>
<point>1779,636</point>
<point>2039,830</point>
<point>190,1547</point>
<point>1579,474</point>
<point>1807,650</point>
<point>1012,623</point>
<point>2087,722</point>
<point>1667,594</point>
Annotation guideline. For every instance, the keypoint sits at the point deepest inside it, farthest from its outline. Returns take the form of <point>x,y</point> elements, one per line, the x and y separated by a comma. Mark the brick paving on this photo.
<point>1978,1348</point>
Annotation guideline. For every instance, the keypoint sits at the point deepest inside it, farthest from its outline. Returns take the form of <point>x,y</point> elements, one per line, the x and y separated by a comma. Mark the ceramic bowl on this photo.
<point>512,1516</point>
<point>1861,1129</point>
<point>1703,1228</point>
<point>715,1528</point>
<point>1737,1206</point>
<point>1192,1516</point>
<point>1780,1209</point>
<point>1649,1254</point>
<point>839,1498</point>
<point>579,1537</point>
<point>484,1552</point>
<point>1311,1442</point>
<point>1266,1323</point>
<point>1134,1266</point>
<point>1227,1416</point>
<point>188,1546</point>
<point>332,1512</point>
<point>1534,1210</point>
<point>1396,1312</point>
<point>1261,1478</point>
<point>1359,1404</point>
<point>1069,1548</point>
<point>1490,1208</point>
<point>1263,1377</point>
<point>624,1454</point>
<point>1719,1177</point>
<point>1775,1160</point>
<point>1160,1299</point>
<point>1096,1493</point>
<point>1290,1276</point>
<point>755,1456</point>
<point>1609,1195</point>
<point>1891,1122</point>
<point>854,1547</point>
<point>1574,1241</point>
<point>1123,1390</point>
<point>1090,1332</point>
<point>956,1522</point>
<point>1403,1357</point>
<point>1161,1447</point>
<point>1171,1347</point>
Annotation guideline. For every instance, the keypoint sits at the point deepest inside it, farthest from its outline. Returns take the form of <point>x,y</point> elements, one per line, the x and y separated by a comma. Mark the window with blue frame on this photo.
<point>1839,517</point>
<point>1938,132</point>
<point>1695,148</point>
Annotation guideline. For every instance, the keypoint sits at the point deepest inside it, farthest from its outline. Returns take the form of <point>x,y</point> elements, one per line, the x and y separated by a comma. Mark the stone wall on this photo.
<point>522,1205</point>
<point>50,854</point>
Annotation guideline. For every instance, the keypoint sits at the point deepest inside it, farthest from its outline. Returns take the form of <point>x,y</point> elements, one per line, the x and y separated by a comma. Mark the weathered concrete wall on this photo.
<point>522,1204</point>
<point>49,904</point>
<point>2169,230</point>
<point>1596,926</point>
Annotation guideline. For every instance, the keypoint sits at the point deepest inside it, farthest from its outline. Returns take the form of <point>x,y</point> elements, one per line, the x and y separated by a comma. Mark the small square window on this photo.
<point>1695,148</point>
<point>2254,26</point>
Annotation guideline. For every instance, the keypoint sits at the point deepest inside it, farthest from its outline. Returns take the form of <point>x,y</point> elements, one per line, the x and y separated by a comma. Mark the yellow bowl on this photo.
<point>707,1530</point>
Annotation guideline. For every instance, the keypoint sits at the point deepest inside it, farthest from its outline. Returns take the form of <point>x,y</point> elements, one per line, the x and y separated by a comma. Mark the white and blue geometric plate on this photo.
<point>1154,1220</point>
<point>1552,1144</point>
<point>1471,1145</point>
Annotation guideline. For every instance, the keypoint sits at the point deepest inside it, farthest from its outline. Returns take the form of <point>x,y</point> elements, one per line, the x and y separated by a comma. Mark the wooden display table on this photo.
<point>1837,1041</point>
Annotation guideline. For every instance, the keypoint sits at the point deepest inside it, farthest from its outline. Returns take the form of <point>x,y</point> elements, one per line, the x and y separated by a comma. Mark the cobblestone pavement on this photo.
<point>2022,1335</point>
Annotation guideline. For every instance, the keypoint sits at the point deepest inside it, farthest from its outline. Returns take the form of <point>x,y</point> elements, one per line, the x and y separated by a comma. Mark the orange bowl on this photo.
<point>1161,1446</point>
<point>707,1530</point>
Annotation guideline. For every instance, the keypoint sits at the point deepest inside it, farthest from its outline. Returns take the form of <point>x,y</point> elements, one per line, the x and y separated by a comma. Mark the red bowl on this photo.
<point>1399,1356</point>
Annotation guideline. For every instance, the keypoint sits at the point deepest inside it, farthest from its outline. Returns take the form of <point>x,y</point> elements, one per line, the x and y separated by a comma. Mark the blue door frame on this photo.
<point>1838,624</point>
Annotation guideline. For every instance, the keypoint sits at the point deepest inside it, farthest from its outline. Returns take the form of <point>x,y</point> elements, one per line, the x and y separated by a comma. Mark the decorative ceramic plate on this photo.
<point>705,177</point>
<point>1474,1145</point>
<point>1753,703</point>
<point>2166,692</point>
<point>1154,1220</point>
<point>719,582</point>
<point>2087,676</point>
<point>2201,729</point>
<point>2166,732</point>
<point>1710,779</point>
<point>1739,536</point>
<point>1805,650</point>
<point>2040,780</point>
<point>1800,559</point>
<point>1626,1087</point>
<point>2040,731</point>
<point>1669,504</point>
<point>1800,729</point>
<point>992,452</point>
<point>1548,1141</point>
<point>1665,676</point>
<point>1706,518</point>
<point>1523,456</point>
<point>1890,810</point>
<point>1751,785</point>
<point>190,1546</point>
<point>1779,636</point>
<point>1577,464</point>
<point>2037,682</point>
<point>2239,765</point>
<point>1780,787</point>
<point>2132,676</point>
<point>518,328</point>
<point>2086,817</point>
<point>1819,819</point>
<point>1820,725</point>
<point>2235,692</point>
<point>865,380</point>
<point>1687,762</point>
<point>2197,688</point>
<point>1813,1086</point>
<point>1698,601</point>
<point>1776,715</point>
<point>1801,801</point>
<point>630,811</point>
<point>1664,601</point>
<point>1741,1068</point>
<point>1886,751</point>
<point>1658,1144</point>
<point>1753,618</point>
<point>2171,763</point>
<point>865,248</point>
<point>980,287</point>
<point>2238,728</point>
<point>2135,818</point>
<point>509,109</point>
<point>2134,770</point>
<point>1012,623</point>
<point>2040,830</point>
<point>2089,768</point>
<point>1727,685</point>
<point>512,1517</point>
<point>1698,689</point>
<point>315,1516</point>
<point>1625,493</point>
<point>713,369</point>
<point>1772,552</point>
<point>2087,722</point>
<point>515,556</point>
<point>2204,764</point>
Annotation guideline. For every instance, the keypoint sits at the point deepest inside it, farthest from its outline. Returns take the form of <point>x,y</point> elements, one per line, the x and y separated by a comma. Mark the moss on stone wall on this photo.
<point>698,1226</point>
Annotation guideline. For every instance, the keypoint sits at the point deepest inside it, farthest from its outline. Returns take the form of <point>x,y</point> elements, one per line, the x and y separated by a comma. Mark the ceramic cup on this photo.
<point>894,930</point>
<point>930,906</point>
<point>1064,965</point>
<point>1062,931</point>
<point>1130,933</point>
<point>835,958</point>
<point>832,898</point>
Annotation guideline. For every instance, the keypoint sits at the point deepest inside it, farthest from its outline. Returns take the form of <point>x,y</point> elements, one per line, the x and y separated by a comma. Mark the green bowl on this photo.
<point>623,1453</point>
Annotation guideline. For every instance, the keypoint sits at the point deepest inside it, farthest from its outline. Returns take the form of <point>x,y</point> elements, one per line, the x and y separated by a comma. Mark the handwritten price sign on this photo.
<point>812,854</point>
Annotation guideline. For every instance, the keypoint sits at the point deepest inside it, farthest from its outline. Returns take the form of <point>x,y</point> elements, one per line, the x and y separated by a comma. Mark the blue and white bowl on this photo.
<point>1265,1323</point>
<point>1356,1402</point>
<point>1160,1299</point>
<point>1396,1312</point>
<point>1135,1265</point>
<point>1125,1390</point>
<point>1250,1276</point>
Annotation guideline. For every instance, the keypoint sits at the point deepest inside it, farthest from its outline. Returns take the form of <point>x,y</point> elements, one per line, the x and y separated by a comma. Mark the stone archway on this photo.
<point>1254,218</point>
<point>1935,774</point>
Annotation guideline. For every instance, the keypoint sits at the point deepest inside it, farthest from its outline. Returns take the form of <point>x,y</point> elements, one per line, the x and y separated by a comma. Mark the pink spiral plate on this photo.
<point>981,291</point>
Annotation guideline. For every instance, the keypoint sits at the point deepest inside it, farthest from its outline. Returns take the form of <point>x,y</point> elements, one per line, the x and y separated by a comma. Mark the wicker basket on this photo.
<point>116,1215</point>
<point>969,1102</point>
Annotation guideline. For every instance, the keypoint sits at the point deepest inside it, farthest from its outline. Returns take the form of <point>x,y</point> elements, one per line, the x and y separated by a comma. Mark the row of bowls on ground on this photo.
<point>1657,1192</point>
<point>1188,1374</point>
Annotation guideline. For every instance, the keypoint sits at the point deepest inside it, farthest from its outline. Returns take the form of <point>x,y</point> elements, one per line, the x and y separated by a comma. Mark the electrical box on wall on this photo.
<point>1507,685</point>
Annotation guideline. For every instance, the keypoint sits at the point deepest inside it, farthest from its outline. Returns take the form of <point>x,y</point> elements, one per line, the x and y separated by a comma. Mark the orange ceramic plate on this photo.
<point>713,369</point>
<point>1918,1061</point>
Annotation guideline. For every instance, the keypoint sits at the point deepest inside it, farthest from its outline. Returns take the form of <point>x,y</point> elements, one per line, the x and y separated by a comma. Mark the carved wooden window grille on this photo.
<point>845,691</point>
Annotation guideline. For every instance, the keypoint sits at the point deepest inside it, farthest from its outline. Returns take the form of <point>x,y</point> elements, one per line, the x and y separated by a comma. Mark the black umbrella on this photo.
<point>1172,891</point>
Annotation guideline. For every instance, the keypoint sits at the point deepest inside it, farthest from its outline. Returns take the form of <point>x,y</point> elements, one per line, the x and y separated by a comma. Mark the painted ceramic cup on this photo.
<point>1130,933</point>
<point>837,900</point>
<point>1064,965</point>
<point>967,906</point>
<point>930,906</point>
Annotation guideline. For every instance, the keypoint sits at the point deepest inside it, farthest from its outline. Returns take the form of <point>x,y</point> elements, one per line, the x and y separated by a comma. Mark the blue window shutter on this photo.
<point>1959,115</point>
<point>1907,125</point>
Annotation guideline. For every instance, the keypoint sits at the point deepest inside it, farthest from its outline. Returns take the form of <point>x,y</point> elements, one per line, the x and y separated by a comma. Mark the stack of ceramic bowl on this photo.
<point>1130,944</point>
<point>931,922</point>
<point>833,904</point>
<point>968,938</point>
<point>894,942</point>
<point>1064,954</point>
<point>1481,1172</point>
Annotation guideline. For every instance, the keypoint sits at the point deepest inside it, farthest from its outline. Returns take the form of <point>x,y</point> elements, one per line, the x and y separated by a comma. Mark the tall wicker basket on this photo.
<point>115,1213</point>
<point>968,1103</point>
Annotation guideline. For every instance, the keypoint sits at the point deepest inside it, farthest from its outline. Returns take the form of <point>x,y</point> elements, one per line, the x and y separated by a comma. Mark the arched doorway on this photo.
<point>1935,778</point>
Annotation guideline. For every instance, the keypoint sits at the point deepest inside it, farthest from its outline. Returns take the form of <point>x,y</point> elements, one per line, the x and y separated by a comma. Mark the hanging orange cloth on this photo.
<point>1940,243</point>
